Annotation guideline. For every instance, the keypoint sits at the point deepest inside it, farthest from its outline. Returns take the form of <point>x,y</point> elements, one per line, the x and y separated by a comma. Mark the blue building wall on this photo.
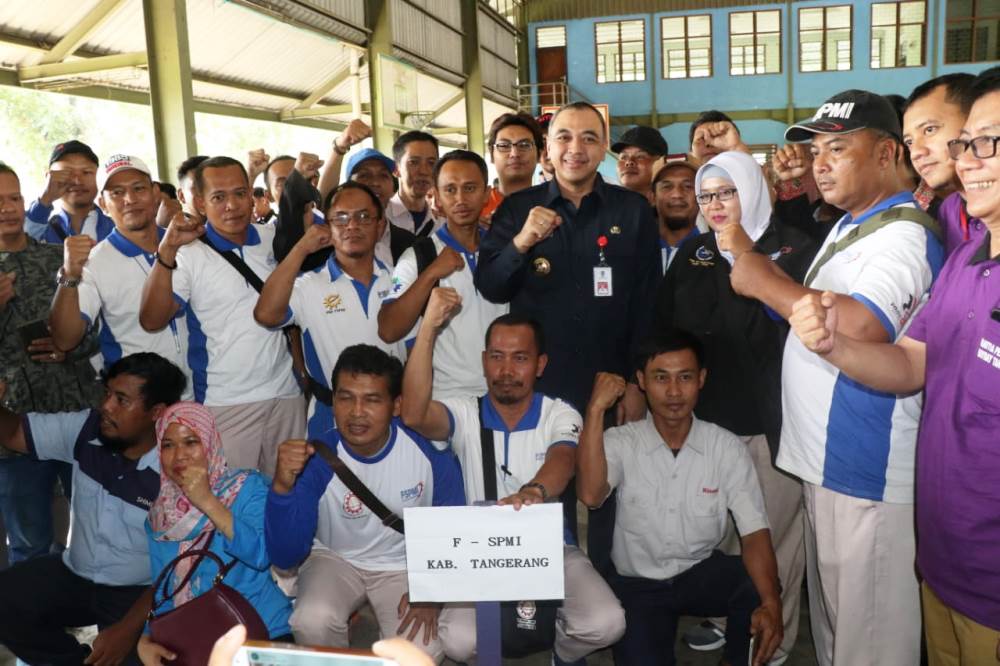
<point>724,92</point>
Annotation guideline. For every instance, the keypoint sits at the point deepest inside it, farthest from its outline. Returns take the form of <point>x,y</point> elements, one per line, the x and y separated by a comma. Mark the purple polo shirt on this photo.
<point>949,216</point>
<point>958,449</point>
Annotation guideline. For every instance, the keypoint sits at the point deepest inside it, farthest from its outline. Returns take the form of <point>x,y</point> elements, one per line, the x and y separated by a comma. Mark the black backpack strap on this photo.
<point>320,392</point>
<point>57,228</point>
<point>426,253</point>
<point>236,262</point>
<point>489,457</point>
<point>355,485</point>
<point>882,219</point>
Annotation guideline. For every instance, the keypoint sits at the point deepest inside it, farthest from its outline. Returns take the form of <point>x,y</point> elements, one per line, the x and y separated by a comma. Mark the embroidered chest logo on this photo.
<point>333,303</point>
<point>397,286</point>
<point>412,494</point>
<point>989,353</point>
<point>353,507</point>
<point>702,257</point>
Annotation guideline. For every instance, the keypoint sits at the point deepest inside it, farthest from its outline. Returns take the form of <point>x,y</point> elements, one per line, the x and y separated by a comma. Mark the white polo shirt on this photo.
<point>458,360</point>
<point>519,453</point>
<point>233,359</point>
<point>835,432</point>
<point>112,496</point>
<point>397,213</point>
<point>673,511</point>
<point>110,294</point>
<point>334,312</point>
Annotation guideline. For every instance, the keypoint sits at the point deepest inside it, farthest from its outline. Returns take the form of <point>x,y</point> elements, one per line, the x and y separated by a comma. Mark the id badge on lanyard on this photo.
<point>603,285</point>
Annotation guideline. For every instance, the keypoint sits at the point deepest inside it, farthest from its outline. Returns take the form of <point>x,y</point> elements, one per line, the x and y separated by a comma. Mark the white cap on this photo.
<point>119,162</point>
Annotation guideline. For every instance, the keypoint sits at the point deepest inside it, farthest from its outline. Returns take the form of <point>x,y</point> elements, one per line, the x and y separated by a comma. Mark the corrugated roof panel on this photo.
<point>418,33</point>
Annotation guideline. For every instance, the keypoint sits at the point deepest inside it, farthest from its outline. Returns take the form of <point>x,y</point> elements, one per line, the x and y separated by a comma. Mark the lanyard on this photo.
<point>963,218</point>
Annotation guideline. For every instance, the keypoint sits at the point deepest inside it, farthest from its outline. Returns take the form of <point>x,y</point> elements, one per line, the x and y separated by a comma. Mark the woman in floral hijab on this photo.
<point>205,504</point>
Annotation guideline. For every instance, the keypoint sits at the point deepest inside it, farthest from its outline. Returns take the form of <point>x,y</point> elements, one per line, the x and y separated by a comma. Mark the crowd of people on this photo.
<point>752,377</point>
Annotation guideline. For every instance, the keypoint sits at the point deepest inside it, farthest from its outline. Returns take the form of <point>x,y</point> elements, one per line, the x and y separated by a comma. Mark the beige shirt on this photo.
<point>672,511</point>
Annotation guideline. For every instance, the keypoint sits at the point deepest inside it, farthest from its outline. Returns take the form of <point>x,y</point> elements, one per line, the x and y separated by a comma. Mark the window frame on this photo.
<point>975,18</point>
<point>687,48</point>
<point>755,45</point>
<point>824,44</point>
<point>620,69</point>
<point>897,25</point>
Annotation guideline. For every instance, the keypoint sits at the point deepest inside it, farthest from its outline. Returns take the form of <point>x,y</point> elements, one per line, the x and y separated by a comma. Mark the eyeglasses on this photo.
<point>705,198</point>
<point>522,146</point>
<point>343,218</point>
<point>983,147</point>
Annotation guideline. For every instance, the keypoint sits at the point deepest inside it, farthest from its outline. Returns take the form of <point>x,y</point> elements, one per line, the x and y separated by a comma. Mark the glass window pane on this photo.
<point>958,42</point>
<point>883,47</point>
<point>811,56</point>
<point>838,50</point>
<point>768,21</point>
<point>606,32</point>
<point>701,64</point>
<point>607,54</point>
<point>986,8</point>
<point>911,45</point>
<point>810,19</point>
<point>699,26</point>
<point>884,13</point>
<point>958,9</point>
<point>632,31</point>
<point>911,12</point>
<point>549,37</point>
<point>673,27</point>
<point>838,17</point>
<point>740,23</point>
<point>769,54</point>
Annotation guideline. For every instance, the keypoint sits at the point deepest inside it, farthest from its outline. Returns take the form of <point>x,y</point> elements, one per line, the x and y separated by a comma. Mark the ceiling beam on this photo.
<point>446,130</point>
<point>325,89</point>
<point>318,111</point>
<point>58,70</point>
<point>78,34</point>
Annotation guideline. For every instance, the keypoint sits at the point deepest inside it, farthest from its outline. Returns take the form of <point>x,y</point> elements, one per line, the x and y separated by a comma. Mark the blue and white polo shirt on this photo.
<point>837,433</point>
<point>112,496</point>
<point>110,294</point>
<point>233,359</point>
<point>334,312</point>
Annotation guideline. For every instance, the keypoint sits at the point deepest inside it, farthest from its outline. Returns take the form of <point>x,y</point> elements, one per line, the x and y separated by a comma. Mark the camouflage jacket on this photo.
<point>33,386</point>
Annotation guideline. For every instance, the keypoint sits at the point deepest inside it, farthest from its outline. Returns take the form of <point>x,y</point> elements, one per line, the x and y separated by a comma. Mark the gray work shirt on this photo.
<point>672,511</point>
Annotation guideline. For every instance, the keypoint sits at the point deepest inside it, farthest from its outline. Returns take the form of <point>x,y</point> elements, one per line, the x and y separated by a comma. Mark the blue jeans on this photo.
<point>26,486</point>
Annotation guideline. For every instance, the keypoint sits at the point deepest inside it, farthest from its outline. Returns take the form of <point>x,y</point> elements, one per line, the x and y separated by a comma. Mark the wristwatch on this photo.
<point>537,486</point>
<point>64,281</point>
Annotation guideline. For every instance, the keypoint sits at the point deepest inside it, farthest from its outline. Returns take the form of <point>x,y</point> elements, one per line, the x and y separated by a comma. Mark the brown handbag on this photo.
<point>191,629</point>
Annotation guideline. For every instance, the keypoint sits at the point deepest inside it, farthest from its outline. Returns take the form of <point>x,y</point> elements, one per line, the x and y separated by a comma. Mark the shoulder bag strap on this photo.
<point>162,580</point>
<point>57,228</point>
<point>886,217</point>
<point>236,262</point>
<point>355,485</point>
<point>489,457</point>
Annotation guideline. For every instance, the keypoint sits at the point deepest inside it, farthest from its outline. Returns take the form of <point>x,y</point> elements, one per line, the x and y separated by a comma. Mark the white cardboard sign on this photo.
<point>484,553</point>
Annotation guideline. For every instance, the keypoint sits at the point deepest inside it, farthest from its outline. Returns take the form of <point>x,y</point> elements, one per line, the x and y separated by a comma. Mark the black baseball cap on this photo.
<point>643,137</point>
<point>73,147</point>
<point>847,112</point>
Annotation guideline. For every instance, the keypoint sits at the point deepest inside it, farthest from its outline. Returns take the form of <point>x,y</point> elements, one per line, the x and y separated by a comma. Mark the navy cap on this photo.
<point>369,154</point>
<point>73,147</point>
<point>640,136</point>
<point>847,112</point>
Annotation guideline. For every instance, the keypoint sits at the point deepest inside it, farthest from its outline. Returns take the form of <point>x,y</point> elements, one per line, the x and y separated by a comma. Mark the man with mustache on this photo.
<point>460,190</point>
<point>100,286</point>
<point>71,180</point>
<point>415,153</point>
<point>535,439</point>
<point>241,370</point>
<point>346,554</point>
<point>676,209</point>
<point>854,448</point>
<point>336,306</point>
<point>637,151</point>
<point>103,577</point>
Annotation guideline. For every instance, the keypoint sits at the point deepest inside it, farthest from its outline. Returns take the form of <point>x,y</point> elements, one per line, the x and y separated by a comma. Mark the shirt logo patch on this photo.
<point>397,286</point>
<point>702,257</point>
<point>710,491</point>
<point>989,352</point>
<point>383,293</point>
<point>411,494</point>
<point>353,507</point>
<point>333,303</point>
